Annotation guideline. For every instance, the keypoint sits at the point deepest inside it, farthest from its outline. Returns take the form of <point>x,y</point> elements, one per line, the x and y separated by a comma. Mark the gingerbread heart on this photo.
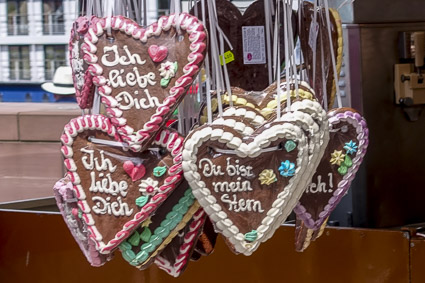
<point>176,256</point>
<point>147,241</point>
<point>244,182</point>
<point>83,80</point>
<point>318,41</point>
<point>111,203</point>
<point>139,91</point>
<point>248,66</point>
<point>340,162</point>
<point>67,203</point>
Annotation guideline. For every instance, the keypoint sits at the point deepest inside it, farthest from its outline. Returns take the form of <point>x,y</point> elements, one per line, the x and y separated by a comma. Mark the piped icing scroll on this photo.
<point>67,203</point>
<point>151,237</point>
<point>83,80</point>
<point>223,168</point>
<point>114,201</point>
<point>337,168</point>
<point>176,256</point>
<point>143,74</point>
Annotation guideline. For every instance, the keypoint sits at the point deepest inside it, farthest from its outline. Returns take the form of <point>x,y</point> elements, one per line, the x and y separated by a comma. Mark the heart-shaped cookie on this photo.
<point>139,91</point>
<point>312,41</point>
<point>247,62</point>
<point>147,241</point>
<point>338,167</point>
<point>244,182</point>
<point>83,80</point>
<point>176,256</point>
<point>67,203</point>
<point>111,203</point>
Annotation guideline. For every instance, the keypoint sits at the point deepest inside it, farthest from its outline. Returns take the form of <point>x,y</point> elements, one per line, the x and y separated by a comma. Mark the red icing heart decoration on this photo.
<point>140,94</point>
<point>112,202</point>
<point>135,172</point>
<point>349,138</point>
<point>157,53</point>
<point>83,80</point>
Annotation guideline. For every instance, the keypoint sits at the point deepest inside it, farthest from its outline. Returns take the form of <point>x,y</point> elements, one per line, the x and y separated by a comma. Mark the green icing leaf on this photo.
<point>342,169</point>
<point>128,256</point>
<point>348,162</point>
<point>188,193</point>
<point>164,82</point>
<point>142,256</point>
<point>176,65</point>
<point>80,213</point>
<point>159,171</point>
<point>251,236</point>
<point>290,146</point>
<point>141,201</point>
<point>145,236</point>
<point>176,112</point>
<point>125,246</point>
<point>134,239</point>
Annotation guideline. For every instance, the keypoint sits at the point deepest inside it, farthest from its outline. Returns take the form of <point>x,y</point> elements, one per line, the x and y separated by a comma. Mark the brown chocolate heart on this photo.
<point>67,203</point>
<point>244,182</point>
<point>176,256</point>
<point>83,80</point>
<point>140,93</point>
<point>312,41</point>
<point>248,73</point>
<point>111,203</point>
<point>338,167</point>
<point>147,241</point>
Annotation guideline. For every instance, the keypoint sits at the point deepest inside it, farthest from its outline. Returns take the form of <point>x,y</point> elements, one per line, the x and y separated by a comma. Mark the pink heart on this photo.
<point>135,172</point>
<point>158,53</point>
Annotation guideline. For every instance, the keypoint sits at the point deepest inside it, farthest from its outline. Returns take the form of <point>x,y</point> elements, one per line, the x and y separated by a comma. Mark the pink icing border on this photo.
<point>167,138</point>
<point>197,37</point>
<point>363,137</point>
<point>85,95</point>
<point>190,240</point>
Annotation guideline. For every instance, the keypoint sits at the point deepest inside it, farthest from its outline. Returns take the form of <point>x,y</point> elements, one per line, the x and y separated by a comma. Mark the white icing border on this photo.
<point>166,138</point>
<point>281,207</point>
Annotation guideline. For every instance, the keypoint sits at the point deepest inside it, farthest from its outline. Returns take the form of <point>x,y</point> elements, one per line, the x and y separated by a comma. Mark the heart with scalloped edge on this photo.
<point>176,255</point>
<point>151,237</point>
<point>349,138</point>
<point>83,80</point>
<point>245,182</point>
<point>111,203</point>
<point>139,91</point>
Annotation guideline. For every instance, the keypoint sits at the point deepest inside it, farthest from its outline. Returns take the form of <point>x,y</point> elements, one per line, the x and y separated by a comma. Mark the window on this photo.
<point>163,7</point>
<point>17,17</point>
<point>54,57</point>
<point>19,63</point>
<point>53,18</point>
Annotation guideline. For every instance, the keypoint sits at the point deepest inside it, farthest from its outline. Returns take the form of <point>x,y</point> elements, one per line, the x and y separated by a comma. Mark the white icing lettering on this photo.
<point>241,204</point>
<point>239,170</point>
<point>127,101</point>
<point>117,79</point>
<point>107,185</point>
<point>319,186</point>
<point>116,208</point>
<point>105,163</point>
<point>210,168</point>
<point>123,60</point>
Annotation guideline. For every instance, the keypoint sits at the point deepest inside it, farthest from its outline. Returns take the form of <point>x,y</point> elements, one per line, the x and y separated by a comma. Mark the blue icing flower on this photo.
<point>350,147</point>
<point>287,169</point>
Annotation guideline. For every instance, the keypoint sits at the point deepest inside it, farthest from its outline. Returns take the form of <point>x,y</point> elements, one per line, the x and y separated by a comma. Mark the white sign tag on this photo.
<point>254,45</point>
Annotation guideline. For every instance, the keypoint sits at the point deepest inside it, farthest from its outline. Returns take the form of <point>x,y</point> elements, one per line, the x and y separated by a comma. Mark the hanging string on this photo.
<point>215,60</point>
<point>292,47</point>
<point>328,24</point>
<point>287,62</point>
<point>277,52</point>
<point>207,71</point>
<point>325,91</point>
<point>315,35</point>
<point>268,20</point>
<point>346,2</point>
<point>145,13</point>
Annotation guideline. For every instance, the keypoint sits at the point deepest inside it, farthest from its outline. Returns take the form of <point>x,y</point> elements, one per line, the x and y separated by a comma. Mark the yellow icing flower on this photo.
<point>337,157</point>
<point>267,176</point>
<point>146,223</point>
